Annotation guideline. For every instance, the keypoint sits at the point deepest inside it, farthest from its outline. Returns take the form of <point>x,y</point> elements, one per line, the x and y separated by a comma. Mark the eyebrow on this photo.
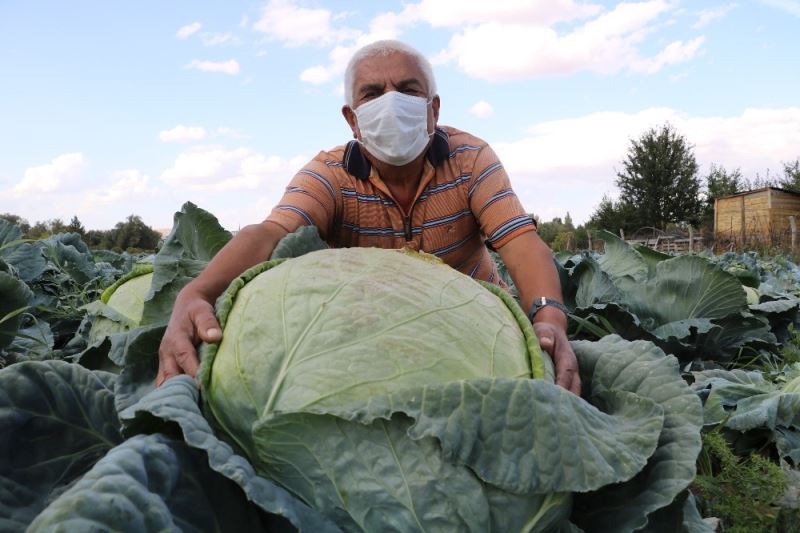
<point>370,87</point>
<point>402,84</point>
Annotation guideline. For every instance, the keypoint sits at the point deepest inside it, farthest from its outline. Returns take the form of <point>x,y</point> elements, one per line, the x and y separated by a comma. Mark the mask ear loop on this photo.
<point>427,103</point>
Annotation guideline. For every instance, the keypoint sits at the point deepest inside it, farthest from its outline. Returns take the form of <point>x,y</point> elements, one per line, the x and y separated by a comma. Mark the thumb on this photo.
<point>546,342</point>
<point>545,336</point>
<point>207,327</point>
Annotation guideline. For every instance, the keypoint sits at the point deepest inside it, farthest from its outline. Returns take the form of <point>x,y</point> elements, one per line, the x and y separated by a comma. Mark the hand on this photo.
<point>192,321</point>
<point>554,341</point>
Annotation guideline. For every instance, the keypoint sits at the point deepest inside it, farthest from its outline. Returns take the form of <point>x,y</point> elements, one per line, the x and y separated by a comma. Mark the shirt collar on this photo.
<point>357,164</point>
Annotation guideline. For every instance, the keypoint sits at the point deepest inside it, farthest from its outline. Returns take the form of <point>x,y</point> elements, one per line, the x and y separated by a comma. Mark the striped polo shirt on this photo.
<point>464,198</point>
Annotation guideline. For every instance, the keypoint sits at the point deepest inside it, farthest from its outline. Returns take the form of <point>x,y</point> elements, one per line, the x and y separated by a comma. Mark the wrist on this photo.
<point>551,316</point>
<point>543,308</point>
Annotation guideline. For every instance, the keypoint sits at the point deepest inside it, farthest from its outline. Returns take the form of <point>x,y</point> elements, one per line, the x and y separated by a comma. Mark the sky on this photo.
<point>109,109</point>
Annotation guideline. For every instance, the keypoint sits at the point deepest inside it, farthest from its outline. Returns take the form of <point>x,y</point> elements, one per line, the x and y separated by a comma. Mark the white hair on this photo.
<point>385,48</point>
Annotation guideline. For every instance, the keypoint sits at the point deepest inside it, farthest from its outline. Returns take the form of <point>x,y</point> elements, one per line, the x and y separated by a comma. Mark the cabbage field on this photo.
<point>379,390</point>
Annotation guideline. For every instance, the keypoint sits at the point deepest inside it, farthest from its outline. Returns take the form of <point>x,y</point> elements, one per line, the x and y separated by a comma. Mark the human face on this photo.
<point>376,75</point>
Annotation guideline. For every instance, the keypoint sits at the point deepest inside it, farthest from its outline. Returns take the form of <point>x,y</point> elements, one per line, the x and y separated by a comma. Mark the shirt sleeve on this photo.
<point>494,203</point>
<point>310,199</point>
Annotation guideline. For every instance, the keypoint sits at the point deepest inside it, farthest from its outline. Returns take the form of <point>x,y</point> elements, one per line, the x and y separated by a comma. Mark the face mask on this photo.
<point>394,127</point>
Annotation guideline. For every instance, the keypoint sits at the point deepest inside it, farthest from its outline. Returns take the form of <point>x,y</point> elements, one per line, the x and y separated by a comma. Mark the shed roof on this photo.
<point>762,189</point>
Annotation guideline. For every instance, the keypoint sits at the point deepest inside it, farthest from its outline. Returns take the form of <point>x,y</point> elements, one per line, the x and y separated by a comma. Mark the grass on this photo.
<point>743,492</point>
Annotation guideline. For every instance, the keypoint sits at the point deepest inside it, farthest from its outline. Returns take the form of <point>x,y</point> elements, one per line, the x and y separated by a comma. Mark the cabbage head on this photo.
<point>392,393</point>
<point>121,305</point>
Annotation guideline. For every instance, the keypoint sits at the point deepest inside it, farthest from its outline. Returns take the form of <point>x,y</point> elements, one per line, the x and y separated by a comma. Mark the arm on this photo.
<point>530,264</point>
<point>192,317</point>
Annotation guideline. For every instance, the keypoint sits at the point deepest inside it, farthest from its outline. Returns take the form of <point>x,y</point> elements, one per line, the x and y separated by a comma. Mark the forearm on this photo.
<point>252,245</point>
<point>530,263</point>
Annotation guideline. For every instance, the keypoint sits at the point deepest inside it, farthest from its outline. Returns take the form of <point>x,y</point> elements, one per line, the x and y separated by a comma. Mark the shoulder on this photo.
<point>332,157</point>
<point>468,150</point>
<point>457,138</point>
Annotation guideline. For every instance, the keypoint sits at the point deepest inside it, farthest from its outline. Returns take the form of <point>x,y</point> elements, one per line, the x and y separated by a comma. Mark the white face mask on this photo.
<point>394,127</point>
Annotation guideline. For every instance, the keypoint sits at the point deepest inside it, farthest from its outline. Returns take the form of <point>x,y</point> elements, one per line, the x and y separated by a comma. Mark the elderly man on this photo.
<point>404,181</point>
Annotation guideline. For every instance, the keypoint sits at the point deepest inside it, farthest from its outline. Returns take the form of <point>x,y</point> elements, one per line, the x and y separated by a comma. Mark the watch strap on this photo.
<point>542,301</point>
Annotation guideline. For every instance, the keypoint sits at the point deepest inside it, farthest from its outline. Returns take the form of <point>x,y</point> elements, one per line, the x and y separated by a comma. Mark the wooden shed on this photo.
<point>757,214</point>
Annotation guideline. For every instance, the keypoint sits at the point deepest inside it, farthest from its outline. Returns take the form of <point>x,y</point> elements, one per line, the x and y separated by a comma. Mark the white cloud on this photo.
<point>707,15</point>
<point>230,67</point>
<point>790,6</point>
<point>182,134</point>
<point>285,21</point>
<point>456,13</point>
<point>233,133</point>
<point>215,168</point>
<point>57,175</point>
<point>482,109</point>
<point>125,185</point>
<point>318,74</point>
<point>220,39</point>
<point>673,54</point>
<point>186,31</point>
<point>608,43</point>
<point>386,26</point>
<point>568,165</point>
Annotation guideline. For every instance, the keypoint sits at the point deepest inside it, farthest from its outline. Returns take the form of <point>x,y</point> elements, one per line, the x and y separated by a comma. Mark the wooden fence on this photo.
<point>785,240</point>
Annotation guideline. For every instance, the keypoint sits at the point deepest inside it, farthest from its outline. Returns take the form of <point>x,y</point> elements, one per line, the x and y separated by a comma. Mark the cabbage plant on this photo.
<point>387,392</point>
<point>120,306</point>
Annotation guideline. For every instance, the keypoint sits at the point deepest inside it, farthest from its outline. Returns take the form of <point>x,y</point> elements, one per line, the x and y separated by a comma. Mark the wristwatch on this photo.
<point>538,303</point>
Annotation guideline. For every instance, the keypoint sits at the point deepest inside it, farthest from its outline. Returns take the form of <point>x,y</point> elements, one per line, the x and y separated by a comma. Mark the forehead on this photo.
<point>393,67</point>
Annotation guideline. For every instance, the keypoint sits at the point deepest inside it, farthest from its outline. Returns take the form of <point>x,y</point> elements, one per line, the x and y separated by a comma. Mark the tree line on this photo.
<point>660,187</point>
<point>131,235</point>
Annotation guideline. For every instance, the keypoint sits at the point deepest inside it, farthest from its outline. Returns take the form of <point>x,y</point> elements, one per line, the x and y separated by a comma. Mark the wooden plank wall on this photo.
<point>784,205</point>
<point>745,214</point>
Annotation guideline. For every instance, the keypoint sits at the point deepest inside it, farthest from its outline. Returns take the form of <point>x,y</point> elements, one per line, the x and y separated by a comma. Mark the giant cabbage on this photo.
<point>121,305</point>
<point>388,392</point>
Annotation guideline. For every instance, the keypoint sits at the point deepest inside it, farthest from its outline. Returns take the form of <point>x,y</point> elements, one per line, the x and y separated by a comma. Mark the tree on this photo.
<point>613,216</point>
<point>791,176</point>
<point>75,226</point>
<point>134,234</point>
<point>17,220</point>
<point>659,179</point>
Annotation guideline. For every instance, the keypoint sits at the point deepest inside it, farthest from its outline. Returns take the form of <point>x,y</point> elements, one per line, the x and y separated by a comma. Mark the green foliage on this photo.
<point>613,215</point>
<point>563,236</point>
<point>790,350</point>
<point>131,235</point>
<point>742,492</point>
<point>134,235</point>
<point>791,175</point>
<point>721,182</point>
<point>75,226</point>
<point>628,447</point>
<point>659,179</point>
<point>17,220</point>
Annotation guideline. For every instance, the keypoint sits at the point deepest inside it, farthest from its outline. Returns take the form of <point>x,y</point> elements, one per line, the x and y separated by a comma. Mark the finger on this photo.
<point>567,371</point>
<point>186,358</point>
<point>545,337</point>
<point>167,368</point>
<point>207,327</point>
<point>546,344</point>
<point>575,387</point>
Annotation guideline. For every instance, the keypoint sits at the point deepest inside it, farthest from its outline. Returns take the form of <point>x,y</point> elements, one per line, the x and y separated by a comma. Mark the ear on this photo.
<point>350,117</point>
<point>435,103</point>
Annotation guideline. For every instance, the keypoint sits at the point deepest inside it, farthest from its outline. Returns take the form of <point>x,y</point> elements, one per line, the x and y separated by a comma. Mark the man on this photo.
<point>403,182</point>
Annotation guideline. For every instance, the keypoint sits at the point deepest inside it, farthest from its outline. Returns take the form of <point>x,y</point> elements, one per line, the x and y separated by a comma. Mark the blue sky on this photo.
<point>115,108</point>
